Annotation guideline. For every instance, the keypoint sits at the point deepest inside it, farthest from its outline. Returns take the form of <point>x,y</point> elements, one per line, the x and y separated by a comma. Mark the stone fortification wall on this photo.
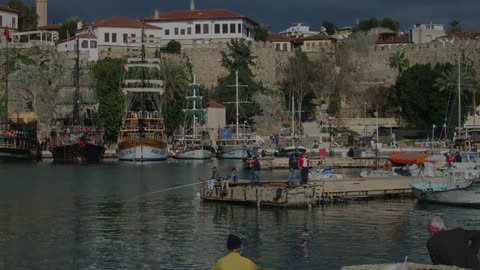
<point>206,62</point>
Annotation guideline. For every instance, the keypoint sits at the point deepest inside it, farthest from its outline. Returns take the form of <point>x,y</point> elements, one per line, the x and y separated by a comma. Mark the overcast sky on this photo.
<point>279,14</point>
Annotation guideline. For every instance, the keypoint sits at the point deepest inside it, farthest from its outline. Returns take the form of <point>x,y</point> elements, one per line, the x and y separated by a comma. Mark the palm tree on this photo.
<point>454,26</point>
<point>399,61</point>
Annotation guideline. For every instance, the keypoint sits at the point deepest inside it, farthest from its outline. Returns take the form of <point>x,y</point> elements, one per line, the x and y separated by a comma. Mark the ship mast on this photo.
<point>459,98</point>
<point>6,84</point>
<point>142,77</point>
<point>194,122</point>
<point>76,105</point>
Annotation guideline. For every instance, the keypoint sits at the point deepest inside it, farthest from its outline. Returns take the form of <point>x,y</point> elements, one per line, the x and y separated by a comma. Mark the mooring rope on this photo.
<point>165,190</point>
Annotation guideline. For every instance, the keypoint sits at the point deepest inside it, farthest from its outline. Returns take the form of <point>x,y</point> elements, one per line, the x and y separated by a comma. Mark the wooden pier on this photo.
<point>333,162</point>
<point>278,193</point>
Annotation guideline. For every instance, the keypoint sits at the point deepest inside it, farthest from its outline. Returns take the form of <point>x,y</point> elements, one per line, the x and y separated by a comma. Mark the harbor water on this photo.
<point>97,216</point>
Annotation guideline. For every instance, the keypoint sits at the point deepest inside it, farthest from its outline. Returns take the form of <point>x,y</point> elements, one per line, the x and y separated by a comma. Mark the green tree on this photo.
<point>239,58</point>
<point>176,81</point>
<point>420,100</point>
<point>398,61</point>
<point>330,27</point>
<point>174,46</point>
<point>27,19</point>
<point>390,24</point>
<point>454,26</point>
<point>107,75</point>
<point>261,32</point>
<point>68,28</point>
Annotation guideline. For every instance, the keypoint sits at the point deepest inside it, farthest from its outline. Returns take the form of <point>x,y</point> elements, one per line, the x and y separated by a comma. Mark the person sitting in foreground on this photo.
<point>456,247</point>
<point>234,261</point>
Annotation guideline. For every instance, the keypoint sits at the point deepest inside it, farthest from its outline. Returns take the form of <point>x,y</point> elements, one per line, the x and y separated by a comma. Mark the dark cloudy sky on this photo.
<point>279,14</point>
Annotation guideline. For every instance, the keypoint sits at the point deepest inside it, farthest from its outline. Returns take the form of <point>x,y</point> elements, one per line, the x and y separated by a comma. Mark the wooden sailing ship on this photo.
<point>142,132</point>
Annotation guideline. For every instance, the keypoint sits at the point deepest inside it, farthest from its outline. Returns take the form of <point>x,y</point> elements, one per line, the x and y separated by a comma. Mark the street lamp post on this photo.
<point>433,134</point>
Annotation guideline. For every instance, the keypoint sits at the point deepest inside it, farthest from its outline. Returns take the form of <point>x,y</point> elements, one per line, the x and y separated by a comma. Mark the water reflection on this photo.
<point>93,217</point>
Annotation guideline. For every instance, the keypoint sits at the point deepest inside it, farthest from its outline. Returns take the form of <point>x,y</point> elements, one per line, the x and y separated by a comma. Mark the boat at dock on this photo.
<point>18,139</point>
<point>239,141</point>
<point>193,141</point>
<point>142,133</point>
<point>76,136</point>
<point>460,192</point>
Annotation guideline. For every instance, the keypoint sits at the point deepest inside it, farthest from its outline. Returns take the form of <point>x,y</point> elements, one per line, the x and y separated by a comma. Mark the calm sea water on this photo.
<point>55,216</point>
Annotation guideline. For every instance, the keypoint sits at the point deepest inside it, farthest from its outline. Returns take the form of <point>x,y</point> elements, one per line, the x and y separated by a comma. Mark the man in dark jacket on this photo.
<point>292,166</point>
<point>457,247</point>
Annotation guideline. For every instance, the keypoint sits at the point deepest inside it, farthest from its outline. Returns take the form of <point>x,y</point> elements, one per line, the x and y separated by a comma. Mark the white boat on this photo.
<point>323,174</point>
<point>142,133</point>
<point>461,192</point>
<point>239,141</point>
<point>193,142</point>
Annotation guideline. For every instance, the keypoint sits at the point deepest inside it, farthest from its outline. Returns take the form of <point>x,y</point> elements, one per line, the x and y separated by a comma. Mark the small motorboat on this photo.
<point>323,174</point>
<point>458,192</point>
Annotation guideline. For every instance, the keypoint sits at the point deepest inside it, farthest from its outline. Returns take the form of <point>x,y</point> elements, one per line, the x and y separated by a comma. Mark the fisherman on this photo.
<point>458,157</point>
<point>234,260</point>
<point>232,176</point>
<point>457,247</point>
<point>215,175</point>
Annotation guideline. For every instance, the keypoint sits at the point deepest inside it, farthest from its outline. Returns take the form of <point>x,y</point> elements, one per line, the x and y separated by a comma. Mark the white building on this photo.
<point>8,18</point>
<point>203,26</point>
<point>110,37</point>
<point>424,33</point>
<point>87,42</point>
<point>299,30</point>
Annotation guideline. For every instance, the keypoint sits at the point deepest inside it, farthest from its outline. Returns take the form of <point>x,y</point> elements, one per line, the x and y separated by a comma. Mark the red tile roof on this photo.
<point>214,104</point>
<point>274,37</point>
<point>50,27</point>
<point>392,38</point>
<point>9,9</point>
<point>206,14</point>
<point>123,21</point>
<point>84,36</point>
<point>460,35</point>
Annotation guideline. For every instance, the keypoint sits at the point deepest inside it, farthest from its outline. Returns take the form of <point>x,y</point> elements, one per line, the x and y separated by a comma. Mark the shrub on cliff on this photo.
<point>371,23</point>
<point>107,74</point>
<point>27,19</point>
<point>173,46</point>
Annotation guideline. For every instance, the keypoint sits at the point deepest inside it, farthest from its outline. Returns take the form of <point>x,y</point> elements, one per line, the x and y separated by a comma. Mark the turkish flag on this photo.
<point>6,33</point>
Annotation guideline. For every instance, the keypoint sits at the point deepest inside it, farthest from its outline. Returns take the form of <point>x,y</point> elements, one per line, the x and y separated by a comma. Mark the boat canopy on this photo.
<point>408,158</point>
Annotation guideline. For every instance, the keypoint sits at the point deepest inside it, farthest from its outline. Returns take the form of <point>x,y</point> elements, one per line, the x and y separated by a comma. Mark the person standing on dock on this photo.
<point>304,165</point>
<point>457,247</point>
<point>292,166</point>
<point>214,174</point>
<point>255,175</point>
<point>233,176</point>
<point>234,261</point>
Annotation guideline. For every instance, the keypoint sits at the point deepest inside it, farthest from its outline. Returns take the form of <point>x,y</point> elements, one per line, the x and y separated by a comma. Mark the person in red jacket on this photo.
<point>304,165</point>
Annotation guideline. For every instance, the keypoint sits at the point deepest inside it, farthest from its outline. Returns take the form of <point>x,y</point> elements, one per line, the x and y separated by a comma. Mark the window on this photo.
<point>232,28</point>
<point>176,31</point>
<point>189,30</point>
<point>1,21</point>
<point>217,28</point>
<point>133,38</point>
<point>198,29</point>
<point>167,32</point>
<point>239,28</point>
<point>205,28</point>
<point>93,44</point>
<point>285,48</point>
<point>107,37</point>
<point>224,28</point>
<point>114,37</point>
<point>277,47</point>
<point>125,38</point>
<point>182,32</point>
<point>84,44</point>
<point>14,23</point>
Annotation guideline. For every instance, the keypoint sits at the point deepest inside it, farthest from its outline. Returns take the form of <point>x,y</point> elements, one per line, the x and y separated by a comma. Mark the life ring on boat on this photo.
<point>12,133</point>
<point>4,133</point>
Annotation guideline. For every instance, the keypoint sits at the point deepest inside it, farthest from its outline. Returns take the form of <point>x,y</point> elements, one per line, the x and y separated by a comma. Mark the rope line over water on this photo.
<point>165,190</point>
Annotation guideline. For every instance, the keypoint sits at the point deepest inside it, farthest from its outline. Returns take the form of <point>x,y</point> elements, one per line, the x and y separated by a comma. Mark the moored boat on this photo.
<point>18,140</point>
<point>142,132</point>
<point>461,192</point>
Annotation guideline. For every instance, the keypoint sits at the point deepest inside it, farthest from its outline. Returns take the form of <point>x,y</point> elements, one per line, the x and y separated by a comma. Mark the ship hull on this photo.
<point>239,151</point>
<point>148,150</point>
<point>193,154</point>
<point>77,152</point>
<point>7,153</point>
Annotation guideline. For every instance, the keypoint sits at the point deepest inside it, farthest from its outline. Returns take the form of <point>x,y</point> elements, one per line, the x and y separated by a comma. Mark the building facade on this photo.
<point>425,33</point>
<point>8,18</point>
<point>318,43</point>
<point>280,42</point>
<point>299,30</point>
<point>88,43</point>
<point>203,26</point>
<point>42,13</point>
